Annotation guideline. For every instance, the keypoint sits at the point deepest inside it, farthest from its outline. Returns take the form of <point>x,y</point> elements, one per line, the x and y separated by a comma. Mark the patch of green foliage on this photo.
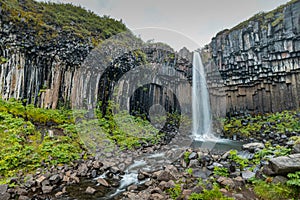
<point>175,192</point>
<point>241,162</point>
<point>186,156</point>
<point>48,19</point>
<point>221,171</point>
<point>214,194</point>
<point>279,122</point>
<point>34,114</point>
<point>268,191</point>
<point>22,147</point>
<point>294,179</point>
<point>189,171</point>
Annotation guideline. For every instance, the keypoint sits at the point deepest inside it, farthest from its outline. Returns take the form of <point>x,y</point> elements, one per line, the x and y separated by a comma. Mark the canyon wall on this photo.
<point>69,71</point>
<point>259,62</point>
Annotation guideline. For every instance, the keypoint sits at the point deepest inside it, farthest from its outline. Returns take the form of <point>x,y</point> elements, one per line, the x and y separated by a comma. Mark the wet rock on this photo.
<point>90,190</point>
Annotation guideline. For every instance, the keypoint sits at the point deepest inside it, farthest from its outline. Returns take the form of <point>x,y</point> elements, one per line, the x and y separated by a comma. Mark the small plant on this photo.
<point>242,162</point>
<point>186,156</point>
<point>175,192</point>
<point>189,171</point>
<point>214,194</point>
<point>221,171</point>
<point>294,179</point>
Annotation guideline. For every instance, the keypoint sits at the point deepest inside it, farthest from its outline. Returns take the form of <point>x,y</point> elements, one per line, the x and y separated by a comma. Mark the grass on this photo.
<point>23,149</point>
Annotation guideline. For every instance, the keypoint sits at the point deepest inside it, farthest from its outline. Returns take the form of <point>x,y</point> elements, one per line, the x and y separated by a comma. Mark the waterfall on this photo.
<point>202,121</point>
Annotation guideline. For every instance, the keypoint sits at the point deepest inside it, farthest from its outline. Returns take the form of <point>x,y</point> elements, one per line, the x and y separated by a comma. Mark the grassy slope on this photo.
<point>51,19</point>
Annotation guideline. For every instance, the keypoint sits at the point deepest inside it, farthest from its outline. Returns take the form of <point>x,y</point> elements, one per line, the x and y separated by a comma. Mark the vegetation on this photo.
<point>214,194</point>
<point>49,19</point>
<point>26,145</point>
<point>280,122</point>
<point>23,148</point>
<point>266,190</point>
<point>221,171</point>
<point>275,17</point>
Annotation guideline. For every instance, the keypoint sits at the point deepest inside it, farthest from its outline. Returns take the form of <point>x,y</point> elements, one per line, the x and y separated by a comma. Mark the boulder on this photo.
<point>226,182</point>
<point>103,182</point>
<point>296,148</point>
<point>283,165</point>
<point>164,175</point>
<point>248,175</point>
<point>253,147</point>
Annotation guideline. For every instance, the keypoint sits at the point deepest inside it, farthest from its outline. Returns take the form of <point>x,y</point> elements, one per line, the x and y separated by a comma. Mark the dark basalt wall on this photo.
<point>259,61</point>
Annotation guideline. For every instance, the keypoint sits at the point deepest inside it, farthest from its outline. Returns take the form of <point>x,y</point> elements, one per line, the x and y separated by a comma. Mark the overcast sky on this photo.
<point>190,23</point>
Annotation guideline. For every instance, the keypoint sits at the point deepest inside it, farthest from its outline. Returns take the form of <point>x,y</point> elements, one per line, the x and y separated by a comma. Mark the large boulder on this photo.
<point>284,164</point>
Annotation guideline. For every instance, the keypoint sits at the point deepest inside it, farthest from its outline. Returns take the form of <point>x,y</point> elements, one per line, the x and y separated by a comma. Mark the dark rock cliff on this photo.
<point>45,62</point>
<point>259,62</point>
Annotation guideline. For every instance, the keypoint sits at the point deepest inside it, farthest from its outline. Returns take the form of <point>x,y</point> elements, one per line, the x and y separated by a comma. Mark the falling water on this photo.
<point>200,102</point>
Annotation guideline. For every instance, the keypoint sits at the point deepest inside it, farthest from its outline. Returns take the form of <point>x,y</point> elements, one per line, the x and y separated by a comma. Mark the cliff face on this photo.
<point>259,61</point>
<point>46,64</point>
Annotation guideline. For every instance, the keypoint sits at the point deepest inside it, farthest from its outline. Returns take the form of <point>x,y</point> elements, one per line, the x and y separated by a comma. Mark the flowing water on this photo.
<point>202,122</point>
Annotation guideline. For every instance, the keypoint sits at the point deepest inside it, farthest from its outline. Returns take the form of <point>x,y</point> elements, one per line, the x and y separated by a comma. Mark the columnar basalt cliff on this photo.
<point>259,61</point>
<point>51,60</point>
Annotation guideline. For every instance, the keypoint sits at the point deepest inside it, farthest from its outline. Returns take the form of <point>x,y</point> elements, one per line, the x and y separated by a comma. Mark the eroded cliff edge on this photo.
<point>259,61</point>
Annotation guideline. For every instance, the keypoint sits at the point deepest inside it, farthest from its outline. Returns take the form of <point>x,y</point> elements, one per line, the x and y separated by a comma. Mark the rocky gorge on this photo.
<point>251,70</point>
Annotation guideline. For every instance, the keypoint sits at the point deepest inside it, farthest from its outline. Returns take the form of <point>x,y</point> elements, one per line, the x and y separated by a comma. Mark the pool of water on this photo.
<point>218,145</point>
